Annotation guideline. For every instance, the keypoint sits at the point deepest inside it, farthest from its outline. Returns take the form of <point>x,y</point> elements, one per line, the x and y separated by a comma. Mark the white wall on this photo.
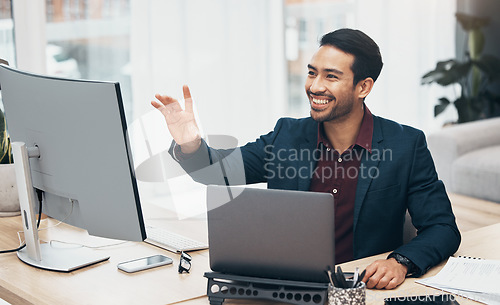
<point>29,33</point>
<point>230,53</point>
<point>412,36</point>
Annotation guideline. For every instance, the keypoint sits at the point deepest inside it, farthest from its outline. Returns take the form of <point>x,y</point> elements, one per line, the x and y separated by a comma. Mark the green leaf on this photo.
<point>468,109</point>
<point>441,68</point>
<point>443,103</point>
<point>462,109</point>
<point>432,76</point>
<point>447,72</point>
<point>5,150</point>
<point>490,65</point>
<point>455,73</point>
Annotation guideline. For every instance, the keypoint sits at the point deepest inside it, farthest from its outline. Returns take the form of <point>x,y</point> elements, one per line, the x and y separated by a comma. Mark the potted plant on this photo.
<point>476,76</point>
<point>9,197</point>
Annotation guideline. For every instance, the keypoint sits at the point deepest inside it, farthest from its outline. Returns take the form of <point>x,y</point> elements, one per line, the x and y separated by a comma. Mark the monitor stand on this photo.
<point>227,286</point>
<point>43,256</point>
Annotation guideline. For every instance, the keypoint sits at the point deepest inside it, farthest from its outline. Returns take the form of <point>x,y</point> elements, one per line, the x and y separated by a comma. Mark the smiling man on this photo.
<point>375,168</point>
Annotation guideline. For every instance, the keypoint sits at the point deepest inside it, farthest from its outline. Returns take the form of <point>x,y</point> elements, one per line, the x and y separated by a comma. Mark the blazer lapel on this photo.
<point>368,169</point>
<point>307,148</point>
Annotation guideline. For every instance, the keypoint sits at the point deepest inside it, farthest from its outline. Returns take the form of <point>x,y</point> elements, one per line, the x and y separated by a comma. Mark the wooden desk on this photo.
<point>105,284</point>
<point>102,283</point>
<point>483,242</point>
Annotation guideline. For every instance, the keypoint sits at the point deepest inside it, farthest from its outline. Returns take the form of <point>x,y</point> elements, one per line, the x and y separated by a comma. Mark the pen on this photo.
<point>360,278</point>
<point>355,279</point>
<point>341,278</point>
<point>332,277</point>
<point>329,273</point>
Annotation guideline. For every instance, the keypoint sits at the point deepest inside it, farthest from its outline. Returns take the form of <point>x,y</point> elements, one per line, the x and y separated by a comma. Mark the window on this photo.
<point>245,61</point>
<point>90,40</point>
<point>310,19</point>
<point>409,49</point>
<point>7,50</point>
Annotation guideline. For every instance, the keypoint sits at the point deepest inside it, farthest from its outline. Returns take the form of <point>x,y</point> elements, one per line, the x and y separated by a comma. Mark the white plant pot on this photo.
<point>9,197</point>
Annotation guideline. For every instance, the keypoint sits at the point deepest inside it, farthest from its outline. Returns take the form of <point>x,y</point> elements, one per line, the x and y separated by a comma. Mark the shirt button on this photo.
<point>339,159</point>
<point>335,191</point>
<point>328,149</point>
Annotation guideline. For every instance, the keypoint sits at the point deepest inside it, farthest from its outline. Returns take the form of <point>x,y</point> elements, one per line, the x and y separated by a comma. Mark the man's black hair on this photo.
<point>367,58</point>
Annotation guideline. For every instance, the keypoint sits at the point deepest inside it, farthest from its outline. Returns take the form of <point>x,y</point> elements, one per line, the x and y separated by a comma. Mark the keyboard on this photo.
<point>172,242</point>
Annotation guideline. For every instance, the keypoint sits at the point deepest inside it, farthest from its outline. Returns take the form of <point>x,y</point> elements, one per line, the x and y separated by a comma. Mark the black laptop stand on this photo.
<point>225,286</point>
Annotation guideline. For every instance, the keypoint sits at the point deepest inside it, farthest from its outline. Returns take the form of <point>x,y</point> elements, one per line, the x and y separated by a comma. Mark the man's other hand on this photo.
<point>385,274</point>
<point>181,123</point>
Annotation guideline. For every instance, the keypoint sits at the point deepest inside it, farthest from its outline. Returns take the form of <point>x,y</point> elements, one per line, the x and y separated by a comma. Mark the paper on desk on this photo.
<point>486,298</point>
<point>476,279</point>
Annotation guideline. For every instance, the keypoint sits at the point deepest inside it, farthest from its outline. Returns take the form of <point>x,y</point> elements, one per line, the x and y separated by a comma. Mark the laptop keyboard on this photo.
<point>172,242</point>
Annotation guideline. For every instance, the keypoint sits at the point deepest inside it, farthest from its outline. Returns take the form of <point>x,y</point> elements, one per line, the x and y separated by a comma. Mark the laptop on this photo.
<point>277,234</point>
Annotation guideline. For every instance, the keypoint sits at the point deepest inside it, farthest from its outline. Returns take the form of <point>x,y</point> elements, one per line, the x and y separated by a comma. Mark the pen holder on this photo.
<point>347,296</point>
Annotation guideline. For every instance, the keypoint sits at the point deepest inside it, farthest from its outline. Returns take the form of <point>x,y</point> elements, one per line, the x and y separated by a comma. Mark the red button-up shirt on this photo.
<point>338,174</point>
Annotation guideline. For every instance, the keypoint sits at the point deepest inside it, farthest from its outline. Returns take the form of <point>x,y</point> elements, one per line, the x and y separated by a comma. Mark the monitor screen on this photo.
<point>84,167</point>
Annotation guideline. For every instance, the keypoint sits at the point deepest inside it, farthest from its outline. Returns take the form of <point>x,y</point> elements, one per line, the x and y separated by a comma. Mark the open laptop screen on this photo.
<point>266,233</point>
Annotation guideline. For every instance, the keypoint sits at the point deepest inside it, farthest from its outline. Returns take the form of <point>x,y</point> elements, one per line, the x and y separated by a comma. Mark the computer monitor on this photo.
<point>76,134</point>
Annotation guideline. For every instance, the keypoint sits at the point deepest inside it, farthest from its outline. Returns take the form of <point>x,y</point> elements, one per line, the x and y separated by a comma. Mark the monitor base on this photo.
<point>62,259</point>
<point>226,286</point>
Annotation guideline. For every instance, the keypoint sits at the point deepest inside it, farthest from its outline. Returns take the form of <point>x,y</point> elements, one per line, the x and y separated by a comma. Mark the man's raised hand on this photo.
<point>181,123</point>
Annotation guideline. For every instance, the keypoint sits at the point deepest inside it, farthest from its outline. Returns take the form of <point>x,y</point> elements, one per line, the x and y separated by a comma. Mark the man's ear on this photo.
<point>364,87</point>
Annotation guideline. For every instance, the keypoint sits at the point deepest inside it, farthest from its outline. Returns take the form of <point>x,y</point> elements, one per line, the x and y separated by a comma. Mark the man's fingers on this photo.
<point>185,90</point>
<point>168,104</point>
<point>383,282</point>
<point>373,281</point>
<point>371,277</point>
<point>165,99</point>
<point>383,274</point>
<point>187,99</point>
<point>157,105</point>
<point>369,271</point>
<point>393,284</point>
<point>387,282</point>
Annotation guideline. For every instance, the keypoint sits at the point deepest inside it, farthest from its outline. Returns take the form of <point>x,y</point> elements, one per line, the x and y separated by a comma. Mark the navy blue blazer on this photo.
<point>398,174</point>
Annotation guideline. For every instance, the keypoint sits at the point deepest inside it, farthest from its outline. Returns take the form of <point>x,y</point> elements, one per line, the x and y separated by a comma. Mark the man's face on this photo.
<point>329,85</point>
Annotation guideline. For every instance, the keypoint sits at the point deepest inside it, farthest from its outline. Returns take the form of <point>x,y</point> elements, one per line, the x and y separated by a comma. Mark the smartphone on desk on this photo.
<point>145,263</point>
<point>440,299</point>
